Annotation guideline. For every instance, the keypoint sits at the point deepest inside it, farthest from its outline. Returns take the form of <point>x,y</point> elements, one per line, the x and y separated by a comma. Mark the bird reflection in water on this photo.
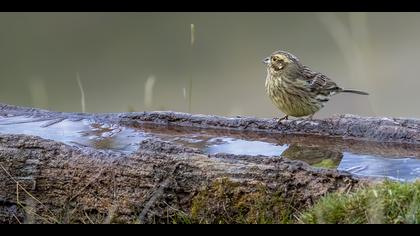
<point>314,156</point>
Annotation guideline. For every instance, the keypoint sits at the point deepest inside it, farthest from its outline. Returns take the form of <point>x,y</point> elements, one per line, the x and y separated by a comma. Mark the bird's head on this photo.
<point>280,61</point>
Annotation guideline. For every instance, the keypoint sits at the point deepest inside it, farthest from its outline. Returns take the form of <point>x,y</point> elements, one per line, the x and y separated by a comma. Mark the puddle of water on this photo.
<point>403,169</point>
<point>243,147</point>
<point>398,168</point>
<point>82,133</point>
<point>360,158</point>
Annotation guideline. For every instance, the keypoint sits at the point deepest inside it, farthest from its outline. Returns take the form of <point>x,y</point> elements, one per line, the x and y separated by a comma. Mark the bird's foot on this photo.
<point>279,120</point>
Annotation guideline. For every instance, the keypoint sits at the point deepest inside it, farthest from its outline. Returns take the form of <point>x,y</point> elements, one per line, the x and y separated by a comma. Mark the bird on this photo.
<point>297,90</point>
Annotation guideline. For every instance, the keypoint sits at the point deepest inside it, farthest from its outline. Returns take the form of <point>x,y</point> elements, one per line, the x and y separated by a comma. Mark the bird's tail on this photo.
<point>354,91</point>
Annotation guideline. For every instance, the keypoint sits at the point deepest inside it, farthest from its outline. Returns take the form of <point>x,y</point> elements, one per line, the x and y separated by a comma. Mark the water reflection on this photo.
<point>243,147</point>
<point>82,132</point>
<point>316,156</point>
<point>395,161</point>
<point>404,169</point>
<point>398,168</point>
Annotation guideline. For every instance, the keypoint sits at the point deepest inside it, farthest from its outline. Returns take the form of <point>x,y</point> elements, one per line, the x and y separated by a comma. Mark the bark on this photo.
<point>67,183</point>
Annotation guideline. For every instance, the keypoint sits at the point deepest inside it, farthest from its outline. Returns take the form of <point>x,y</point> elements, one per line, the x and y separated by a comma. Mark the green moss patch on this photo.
<point>226,202</point>
<point>388,203</point>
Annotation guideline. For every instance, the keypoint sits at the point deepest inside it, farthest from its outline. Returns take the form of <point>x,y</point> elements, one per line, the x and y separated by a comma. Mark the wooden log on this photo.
<point>45,181</point>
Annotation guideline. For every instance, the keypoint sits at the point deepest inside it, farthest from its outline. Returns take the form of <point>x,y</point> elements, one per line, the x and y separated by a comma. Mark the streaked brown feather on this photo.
<point>319,83</point>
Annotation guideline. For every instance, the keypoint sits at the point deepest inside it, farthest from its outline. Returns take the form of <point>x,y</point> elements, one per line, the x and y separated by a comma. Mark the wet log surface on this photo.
<point>45,181</point>
<point>379,129</point>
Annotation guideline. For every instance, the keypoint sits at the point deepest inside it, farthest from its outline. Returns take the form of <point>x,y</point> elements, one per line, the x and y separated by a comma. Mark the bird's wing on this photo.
<point>320,83</point>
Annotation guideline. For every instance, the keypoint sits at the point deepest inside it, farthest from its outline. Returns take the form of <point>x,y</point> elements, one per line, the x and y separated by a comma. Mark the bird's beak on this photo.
<point>266,60</point>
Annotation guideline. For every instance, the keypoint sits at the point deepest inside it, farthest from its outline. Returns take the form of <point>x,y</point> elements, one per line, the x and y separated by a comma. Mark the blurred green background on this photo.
<point>145,61</point>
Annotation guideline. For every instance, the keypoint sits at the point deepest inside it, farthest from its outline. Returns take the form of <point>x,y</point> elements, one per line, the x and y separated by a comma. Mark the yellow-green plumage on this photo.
<point>291,98</point>
<point>295,89</point>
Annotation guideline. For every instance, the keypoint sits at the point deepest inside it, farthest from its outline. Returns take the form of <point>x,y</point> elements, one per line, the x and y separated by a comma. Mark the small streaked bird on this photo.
<point>295,89</point>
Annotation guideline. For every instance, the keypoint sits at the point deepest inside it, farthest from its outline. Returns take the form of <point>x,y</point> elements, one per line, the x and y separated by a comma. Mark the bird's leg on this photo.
<point>311,117</point>
<point>286,117</point>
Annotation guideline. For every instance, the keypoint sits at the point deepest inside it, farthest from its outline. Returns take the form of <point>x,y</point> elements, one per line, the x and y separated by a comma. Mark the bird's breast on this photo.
<point>291,97</point>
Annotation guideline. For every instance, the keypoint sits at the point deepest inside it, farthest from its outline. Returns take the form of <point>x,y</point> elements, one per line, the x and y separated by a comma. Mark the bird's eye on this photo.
<point>275,59</point>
